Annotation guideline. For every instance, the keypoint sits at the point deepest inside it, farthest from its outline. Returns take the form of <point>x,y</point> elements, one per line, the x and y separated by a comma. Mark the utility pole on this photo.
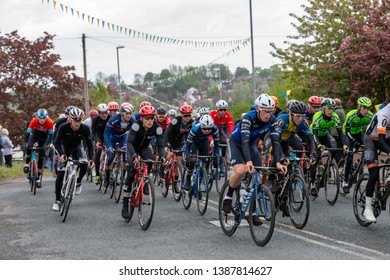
<point>253,53</point>
<point>86,99</point>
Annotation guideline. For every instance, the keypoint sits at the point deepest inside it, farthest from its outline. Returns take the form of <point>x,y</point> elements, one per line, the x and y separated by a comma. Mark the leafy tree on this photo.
<point>165,74</point>
<point>32,78</point>
<point>99,94</point>
<point>149,76</point>
<point>241,72</point>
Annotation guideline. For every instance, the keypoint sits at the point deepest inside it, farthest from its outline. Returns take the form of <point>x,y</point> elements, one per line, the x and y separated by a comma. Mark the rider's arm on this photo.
<point>94,132</point>
<point>275,132</point>
<point>131,154</point>
<point>58,140</point>
<point>88,140</point>
<point>160,142</point>
<point>245,126</point>
<point>107,134</point>
<point>383,120</point>
<point>230,123</point>
<point>169,131</point>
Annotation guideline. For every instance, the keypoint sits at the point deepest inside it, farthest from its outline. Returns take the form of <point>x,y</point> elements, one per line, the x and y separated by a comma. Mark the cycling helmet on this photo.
<point>76,114</point>
<point>113,106</point>
<point>297,107</point>
<point>186,109</point>
<point>127,108</point>
<point>203,111</point>
<point>93,113</point>
<point>171,113</point>
<point>289,103</point>
<point>221,104</point>
<point>102,107</point>
<point>42,114</point>
<point>314,100</point>
<point>275,99</point>
<point>265,101</point>
<point>328,103</point>
<point>364,101</point>
<point>144,103</point>
<point>161,111</point>
<point>147,111</point>
<point>206,121</point>
<point>67,110</point>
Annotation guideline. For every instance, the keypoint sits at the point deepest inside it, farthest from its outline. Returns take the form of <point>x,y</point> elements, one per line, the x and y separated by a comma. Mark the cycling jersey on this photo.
<point>379,128</point>
<point>251,128</point>
<point>289,128</point>
<point>116,129</point>
<point>98,127</point>
<point>196,135</point>
<point>176,132</point>
<point>321,126</point>
<point>164,124</point>
<point>38,131</point>
<point>355,122</point>
<point>223,123</point>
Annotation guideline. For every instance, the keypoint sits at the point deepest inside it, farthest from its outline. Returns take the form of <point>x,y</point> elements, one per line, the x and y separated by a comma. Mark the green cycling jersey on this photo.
<point>322,124</point>
<point>355,122</point>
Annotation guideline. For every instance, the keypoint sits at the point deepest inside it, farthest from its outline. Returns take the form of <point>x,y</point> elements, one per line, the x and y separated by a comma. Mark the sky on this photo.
<point>188,20</point>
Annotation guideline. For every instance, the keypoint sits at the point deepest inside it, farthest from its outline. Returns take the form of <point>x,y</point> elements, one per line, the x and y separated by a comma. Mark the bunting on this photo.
<point>144,36</point>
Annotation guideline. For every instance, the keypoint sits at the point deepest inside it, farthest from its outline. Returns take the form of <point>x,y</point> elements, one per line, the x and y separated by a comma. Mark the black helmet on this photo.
<point>297,107</point>
<point>161,111</point>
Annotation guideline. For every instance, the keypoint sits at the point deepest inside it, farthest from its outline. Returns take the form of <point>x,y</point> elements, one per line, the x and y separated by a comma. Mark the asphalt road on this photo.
<point>94,230</point>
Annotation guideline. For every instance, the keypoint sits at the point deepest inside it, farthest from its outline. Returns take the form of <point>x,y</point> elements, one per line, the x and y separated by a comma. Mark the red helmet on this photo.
<point>315,100</point>
<point>93,113</point>
<point>186,109</point>
<point>144,103</point>
<point>113,106</point>
<point>147,111</point>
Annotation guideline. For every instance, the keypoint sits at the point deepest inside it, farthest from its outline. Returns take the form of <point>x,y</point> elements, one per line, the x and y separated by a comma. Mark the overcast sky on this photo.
<point>192,20</point>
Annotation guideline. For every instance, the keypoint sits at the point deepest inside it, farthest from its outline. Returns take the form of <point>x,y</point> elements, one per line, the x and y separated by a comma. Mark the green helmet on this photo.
<point>364,101</point>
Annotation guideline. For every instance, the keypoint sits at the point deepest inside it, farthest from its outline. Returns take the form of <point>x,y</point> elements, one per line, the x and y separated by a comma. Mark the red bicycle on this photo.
<point>173,176</point>
<point>143,196</point>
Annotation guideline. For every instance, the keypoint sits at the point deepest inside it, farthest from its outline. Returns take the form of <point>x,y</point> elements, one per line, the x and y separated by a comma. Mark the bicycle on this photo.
<point>68,186</point>
<point>33,174</point>
<point>102,171</point>
<point>357,169</point>
<point>173,176</point>
<point>261,204</point>
<point>328,176</point>
<point>292,191</point>
<point>199,186</point>
<point>217,173</point>
<point>381,194</point>
<point>142,196</point>
<point>117,175</point>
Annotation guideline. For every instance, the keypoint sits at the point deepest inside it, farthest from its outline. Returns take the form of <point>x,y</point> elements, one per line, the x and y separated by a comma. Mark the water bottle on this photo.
<point>243,193</point>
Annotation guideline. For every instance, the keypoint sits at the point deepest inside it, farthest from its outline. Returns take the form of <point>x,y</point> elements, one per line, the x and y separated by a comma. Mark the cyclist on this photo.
<point>138,144</point>
<point>171,114</point>
<point>113,107</point>
<point>99,123</point>
<point>40,130</point>
<point>198,143</point>
<point>92,114</point>
<point>277,109</point>
<point>69,142</point>
<point>162,118</point>
<point>314,106</point>
<point>62,120</point>
<point>243,145</point>
<point>320,127</point>
<point>355,122</point>
<point>177,131</point>
<point>224,122</point>
<point>201,112</point>
<point>137,115</point>
<point>116,131</point>
<point>377,137</point>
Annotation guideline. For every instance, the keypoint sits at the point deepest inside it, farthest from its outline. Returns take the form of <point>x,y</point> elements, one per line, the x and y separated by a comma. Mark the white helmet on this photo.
<point>203,111</point>
<point>206,121</point>
<point>102,107</point>
<point>221,104</point>
<point>171,113</point>
<point>265,101</point>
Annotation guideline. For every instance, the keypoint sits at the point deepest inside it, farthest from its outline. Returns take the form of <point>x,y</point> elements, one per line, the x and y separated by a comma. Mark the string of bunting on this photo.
<point>142,35</point>
<point>151,97</point>
<point>170,80</point>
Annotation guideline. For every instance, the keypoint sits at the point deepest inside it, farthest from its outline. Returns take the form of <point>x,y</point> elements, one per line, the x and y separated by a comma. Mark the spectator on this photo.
<point>7,147</point>
<point>1,148</point>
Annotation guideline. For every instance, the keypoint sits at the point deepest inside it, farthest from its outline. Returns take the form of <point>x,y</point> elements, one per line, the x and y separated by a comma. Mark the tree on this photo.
<point>241,72</point>
<point>149,76</point>
<point>99,94</point>
<point>31,78</point>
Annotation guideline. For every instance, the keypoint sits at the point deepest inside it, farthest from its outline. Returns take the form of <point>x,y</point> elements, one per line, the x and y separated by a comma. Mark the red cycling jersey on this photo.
<point>36,126</point>
<point>225,122</point>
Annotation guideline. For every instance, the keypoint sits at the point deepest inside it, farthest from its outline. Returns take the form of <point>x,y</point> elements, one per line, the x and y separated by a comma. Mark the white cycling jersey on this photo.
<point>380,124</point>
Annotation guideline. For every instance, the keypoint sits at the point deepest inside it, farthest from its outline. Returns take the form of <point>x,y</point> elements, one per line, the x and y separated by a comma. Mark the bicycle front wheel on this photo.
<point>359,200</point>
<point>262,207</point>
<point>229,221</point>
<point>186,196</point>
<point>341,168</point>
<point>177,181</point>
<point>146,204</point>
<point>222,174</point>
<point>118,182</point>
<point>202,192</point>
<point>332,183</point>
<point>298,202</point>
<point>68,197</point>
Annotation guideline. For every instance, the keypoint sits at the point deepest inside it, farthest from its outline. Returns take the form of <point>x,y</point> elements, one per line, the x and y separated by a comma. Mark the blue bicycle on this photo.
<point>261,214</point>
<point>199,186</point>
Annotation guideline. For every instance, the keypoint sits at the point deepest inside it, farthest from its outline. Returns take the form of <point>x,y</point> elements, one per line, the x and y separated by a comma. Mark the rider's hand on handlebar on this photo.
<point>321,147</point>
<point>63,158</point>
<point>91,164</point>
<point>282,168</point>
<point>249,167</point>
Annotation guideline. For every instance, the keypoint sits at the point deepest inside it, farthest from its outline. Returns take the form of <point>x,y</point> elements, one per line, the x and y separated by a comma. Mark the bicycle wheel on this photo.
<point>33,178</point>
<point>341,168</point>
<point>262,206</point>
<point>112,181</point>
<point>119,181</point>
<point>146,205</point>
<point>186,196</point>
<point>213,176</point>
<point>154,173</point>
<point>229,221</point>
<point>298,202</point>
<point>164,186</point>
<point>131,209</point>
<point>332,183</point>
<point>177,181</point>
<point>202,192</point>
<point>222,174</point>
<point>359,200</point>
<point>68,197</point>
